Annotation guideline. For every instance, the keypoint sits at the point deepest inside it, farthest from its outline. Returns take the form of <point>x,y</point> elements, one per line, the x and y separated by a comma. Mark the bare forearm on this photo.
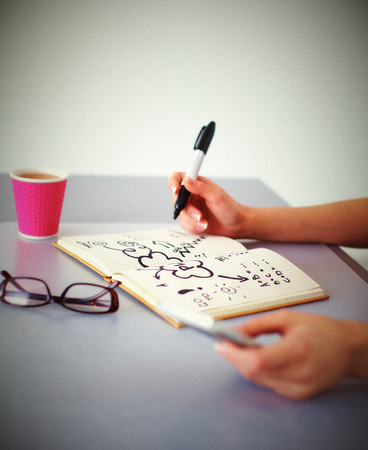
<point>340,223</point>
<point>212,209</point>
<point>357,338</point>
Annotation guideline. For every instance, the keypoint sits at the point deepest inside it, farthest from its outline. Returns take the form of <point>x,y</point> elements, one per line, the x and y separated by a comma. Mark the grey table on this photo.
<point>130,380</point>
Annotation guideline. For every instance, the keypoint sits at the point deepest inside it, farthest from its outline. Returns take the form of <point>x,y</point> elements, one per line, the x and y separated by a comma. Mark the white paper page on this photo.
<point>255,277</point>
<point>113,253</point>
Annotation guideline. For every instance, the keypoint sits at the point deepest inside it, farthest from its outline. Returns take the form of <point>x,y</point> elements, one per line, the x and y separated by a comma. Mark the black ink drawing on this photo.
<point>239,278</point>
<point>149,260</point>
<point>186,291</point>
<point>195,269</point>
<point>147,256</point>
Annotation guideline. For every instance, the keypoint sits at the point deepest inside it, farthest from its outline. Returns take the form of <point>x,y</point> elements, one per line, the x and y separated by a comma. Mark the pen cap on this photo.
<point>205,137</point>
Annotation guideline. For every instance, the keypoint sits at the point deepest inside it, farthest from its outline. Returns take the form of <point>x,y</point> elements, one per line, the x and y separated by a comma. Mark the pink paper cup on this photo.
<point>39,195</point>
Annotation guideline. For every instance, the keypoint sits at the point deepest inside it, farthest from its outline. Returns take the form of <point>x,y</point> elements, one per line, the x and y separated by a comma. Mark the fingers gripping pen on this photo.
<point>200,149</point>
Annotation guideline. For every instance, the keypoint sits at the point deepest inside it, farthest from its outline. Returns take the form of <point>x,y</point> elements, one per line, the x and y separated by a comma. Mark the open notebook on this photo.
<point>209,274</point>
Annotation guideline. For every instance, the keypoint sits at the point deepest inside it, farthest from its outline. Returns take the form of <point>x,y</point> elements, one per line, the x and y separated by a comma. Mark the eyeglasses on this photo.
<point>81,297</point>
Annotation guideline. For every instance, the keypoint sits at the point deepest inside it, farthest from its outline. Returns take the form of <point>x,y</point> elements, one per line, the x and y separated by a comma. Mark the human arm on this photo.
<point>211,209</point>
<point>313,353</point>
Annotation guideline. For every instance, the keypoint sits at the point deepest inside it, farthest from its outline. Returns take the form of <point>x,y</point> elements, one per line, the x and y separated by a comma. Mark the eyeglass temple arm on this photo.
<point>8,277</point>
<point>6,274</point>
<point>58,299</point>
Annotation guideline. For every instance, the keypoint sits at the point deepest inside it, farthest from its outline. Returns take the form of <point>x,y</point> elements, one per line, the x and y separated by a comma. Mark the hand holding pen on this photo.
<point>200,149</point>
<point>210,208</point>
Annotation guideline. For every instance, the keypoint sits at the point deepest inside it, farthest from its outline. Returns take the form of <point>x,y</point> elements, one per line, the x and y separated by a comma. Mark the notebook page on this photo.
<point>256,278</point>
<point>114,253</point>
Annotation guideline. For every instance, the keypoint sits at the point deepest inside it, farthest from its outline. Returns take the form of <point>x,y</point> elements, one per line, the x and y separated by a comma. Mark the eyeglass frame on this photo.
<point>60,299</point>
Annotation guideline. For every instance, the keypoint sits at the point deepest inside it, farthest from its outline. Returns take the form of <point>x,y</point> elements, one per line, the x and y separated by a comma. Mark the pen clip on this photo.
<point>205,137</point>
<point>199,136</point>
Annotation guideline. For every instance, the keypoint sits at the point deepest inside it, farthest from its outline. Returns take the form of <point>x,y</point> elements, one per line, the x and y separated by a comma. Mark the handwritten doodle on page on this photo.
<point>205,284</point>
<point>142,249</point>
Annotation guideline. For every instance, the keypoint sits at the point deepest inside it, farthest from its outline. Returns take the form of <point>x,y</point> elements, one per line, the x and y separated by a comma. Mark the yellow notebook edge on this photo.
<point>80,260</point>
<point>271,308</point>
<point>110,279</point>
<point>167,318</point>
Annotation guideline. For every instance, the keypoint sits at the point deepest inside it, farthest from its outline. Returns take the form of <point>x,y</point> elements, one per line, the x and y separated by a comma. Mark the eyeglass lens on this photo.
<point>26,292</point>
<point>87,298</point>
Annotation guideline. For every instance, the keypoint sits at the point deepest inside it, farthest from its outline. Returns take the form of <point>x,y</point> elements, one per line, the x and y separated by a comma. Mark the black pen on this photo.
<point>200,149</point>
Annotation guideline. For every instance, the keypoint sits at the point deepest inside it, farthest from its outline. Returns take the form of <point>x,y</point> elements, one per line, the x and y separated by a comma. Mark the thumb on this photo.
<point>273,322</point>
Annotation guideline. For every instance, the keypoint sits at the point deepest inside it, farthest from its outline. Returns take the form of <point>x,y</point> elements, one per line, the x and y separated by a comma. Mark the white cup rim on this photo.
<point>60,173</point>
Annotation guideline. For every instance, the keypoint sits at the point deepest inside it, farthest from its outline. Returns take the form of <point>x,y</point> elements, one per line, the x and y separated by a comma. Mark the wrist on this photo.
<point>357,338</point>
<point>247,223</point>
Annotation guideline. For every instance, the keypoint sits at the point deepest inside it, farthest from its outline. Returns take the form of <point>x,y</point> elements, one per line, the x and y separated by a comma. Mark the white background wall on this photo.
<point>123,87</point>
